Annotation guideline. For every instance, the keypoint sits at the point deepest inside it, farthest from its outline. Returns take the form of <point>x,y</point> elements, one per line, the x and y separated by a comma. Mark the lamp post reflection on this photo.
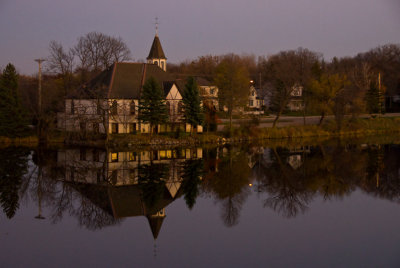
<point>39,194</point>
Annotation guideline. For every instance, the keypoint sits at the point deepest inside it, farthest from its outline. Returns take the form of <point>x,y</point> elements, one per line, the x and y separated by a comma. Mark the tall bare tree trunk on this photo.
<point>276,119</point>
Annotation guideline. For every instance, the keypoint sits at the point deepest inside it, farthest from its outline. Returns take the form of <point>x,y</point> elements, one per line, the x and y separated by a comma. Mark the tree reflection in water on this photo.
<point>100,191</point>
<point>13,166</point>
<point>230,183</point>
<point>191,179</point>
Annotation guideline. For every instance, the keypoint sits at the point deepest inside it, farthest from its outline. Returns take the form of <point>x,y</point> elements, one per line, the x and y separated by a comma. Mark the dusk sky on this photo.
<point>189,28</point>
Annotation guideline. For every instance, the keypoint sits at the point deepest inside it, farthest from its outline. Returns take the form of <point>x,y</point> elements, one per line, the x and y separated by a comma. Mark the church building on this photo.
<point>109,103</point>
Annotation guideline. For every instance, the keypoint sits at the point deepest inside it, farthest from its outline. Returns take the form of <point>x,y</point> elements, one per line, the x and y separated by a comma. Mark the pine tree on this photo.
<point>13,166</point>
<point>193,112</point>
<point>192,172</point>
<point>152,108</point>
<point>12,121</point>
<point>372,99</point>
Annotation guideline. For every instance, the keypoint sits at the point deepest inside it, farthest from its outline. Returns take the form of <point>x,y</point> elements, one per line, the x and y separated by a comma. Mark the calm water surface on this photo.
<point>334,205</point>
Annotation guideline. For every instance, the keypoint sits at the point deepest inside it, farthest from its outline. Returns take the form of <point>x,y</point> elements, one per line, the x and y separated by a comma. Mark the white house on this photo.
<point>255,101</point>
<point>296,100</point>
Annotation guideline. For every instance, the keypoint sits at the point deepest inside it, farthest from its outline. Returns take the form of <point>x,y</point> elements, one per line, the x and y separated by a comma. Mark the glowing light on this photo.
<point>250,184</point>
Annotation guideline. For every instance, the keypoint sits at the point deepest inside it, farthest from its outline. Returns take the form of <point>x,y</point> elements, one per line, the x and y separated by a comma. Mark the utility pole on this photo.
<point>39,126</point>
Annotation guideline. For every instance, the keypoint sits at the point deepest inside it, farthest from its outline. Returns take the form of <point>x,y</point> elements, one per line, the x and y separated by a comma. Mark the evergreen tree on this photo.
<point>12,122</point>
<point>152,108</point>
<point>192,172</point>
<point>191,103</point>
<point>13,166</point>
<point>372,99</point>
<point>152,182</point>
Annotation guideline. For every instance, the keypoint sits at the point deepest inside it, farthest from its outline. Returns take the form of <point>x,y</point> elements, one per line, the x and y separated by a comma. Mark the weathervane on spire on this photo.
<point>157,26</point>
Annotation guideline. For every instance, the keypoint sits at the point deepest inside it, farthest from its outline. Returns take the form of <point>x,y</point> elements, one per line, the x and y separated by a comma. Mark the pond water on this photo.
<point>334,205</point>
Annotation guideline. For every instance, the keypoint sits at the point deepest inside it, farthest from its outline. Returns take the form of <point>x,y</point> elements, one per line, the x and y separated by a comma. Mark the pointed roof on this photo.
<point>155,223</point>
<point>156,51</point>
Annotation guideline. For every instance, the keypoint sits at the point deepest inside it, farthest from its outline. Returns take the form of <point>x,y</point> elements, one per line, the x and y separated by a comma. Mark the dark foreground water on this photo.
<point>334,205</point>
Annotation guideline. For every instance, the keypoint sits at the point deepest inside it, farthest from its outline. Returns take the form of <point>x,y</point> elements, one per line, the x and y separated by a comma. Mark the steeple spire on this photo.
<point>156,55</point>
<point>156,26</point>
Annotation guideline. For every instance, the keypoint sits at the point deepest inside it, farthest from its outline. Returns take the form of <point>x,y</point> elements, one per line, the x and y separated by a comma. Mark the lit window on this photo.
<point>114,157</point>
<point>162,154</point>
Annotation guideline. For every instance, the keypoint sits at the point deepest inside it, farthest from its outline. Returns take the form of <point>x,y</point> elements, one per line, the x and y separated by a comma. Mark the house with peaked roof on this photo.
<point>110,102</point>
<point>255,101</point>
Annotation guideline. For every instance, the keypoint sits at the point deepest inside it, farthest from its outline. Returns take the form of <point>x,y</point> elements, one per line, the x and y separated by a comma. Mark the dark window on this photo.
<point>132,108</point>
<point>132,156</point>
<point>114,108</point>
<point>114,128</point>
<point>72,107</point>
<point>132,128</point>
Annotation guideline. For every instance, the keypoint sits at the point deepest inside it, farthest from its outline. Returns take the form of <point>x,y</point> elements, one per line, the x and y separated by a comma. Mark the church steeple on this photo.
<point>156,55</point>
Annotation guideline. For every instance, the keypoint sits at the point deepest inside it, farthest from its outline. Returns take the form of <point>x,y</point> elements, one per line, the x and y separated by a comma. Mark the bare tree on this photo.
<point>61,62</point>
<point>233,81</point>
<point>97,51</point>
<point>286,71</point>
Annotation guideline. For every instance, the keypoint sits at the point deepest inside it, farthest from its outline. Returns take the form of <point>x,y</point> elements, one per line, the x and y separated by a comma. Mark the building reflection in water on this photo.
<point>100,188</point>
<point>127,183</point>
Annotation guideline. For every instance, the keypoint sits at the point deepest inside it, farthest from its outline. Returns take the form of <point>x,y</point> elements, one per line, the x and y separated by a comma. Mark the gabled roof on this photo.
<point>167,86</point>
<point>123,80</point>
<point>156,51</point>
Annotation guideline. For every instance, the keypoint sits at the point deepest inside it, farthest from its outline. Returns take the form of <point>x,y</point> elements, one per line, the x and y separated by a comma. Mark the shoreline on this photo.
<point>243,134</point>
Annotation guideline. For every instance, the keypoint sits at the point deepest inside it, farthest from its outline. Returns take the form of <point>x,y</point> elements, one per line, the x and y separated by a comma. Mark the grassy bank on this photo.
<point>350,127</point>
<point>247,131</point>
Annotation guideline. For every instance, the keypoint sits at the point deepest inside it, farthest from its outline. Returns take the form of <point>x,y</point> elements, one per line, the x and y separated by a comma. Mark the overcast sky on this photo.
<point>191,28</point>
